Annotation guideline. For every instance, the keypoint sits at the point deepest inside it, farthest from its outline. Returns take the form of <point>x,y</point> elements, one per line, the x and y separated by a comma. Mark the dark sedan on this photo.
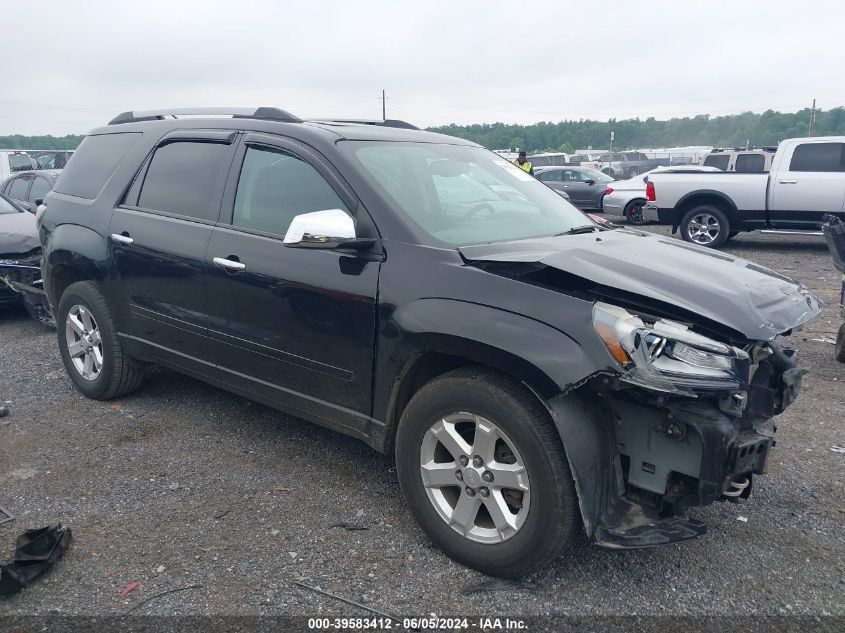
<point>584,186</point>
<point>20,250</point>
<point>26,187</point>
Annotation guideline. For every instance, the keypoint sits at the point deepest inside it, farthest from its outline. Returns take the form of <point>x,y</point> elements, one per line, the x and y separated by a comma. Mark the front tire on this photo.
<point>484,473</point>
<point>91,352</point>
<point>705,225</point>
<point>839,348</point>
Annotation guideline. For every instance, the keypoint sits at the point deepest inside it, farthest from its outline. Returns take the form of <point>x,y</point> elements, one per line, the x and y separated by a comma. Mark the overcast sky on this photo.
<point>71,66</point>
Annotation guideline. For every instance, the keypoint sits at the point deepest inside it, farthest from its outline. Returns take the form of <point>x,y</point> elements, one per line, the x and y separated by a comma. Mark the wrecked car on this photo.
<point>529,370</point>
<point>20,261</point>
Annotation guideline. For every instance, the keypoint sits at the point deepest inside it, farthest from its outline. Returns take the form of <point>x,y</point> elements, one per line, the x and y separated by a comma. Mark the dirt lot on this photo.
<point>182,484</point>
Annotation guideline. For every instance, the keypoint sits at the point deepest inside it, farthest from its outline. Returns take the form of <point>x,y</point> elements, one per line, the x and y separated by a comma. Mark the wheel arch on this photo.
<point>74,253</point>
<point>451,353</point>
<point>704,196</point>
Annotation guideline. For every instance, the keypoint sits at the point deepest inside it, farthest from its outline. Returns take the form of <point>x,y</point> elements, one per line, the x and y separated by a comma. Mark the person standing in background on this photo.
<point>522,162</point>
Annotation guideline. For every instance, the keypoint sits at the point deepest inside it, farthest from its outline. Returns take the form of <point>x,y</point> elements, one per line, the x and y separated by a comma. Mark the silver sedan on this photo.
<point>626,198</point>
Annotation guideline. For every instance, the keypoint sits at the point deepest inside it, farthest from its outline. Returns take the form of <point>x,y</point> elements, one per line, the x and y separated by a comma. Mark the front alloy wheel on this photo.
<point>475,478</point>
<point>482,467</point>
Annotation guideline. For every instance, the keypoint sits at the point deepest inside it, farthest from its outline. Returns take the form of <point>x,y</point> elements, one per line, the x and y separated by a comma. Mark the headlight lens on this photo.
<point>665,355</point>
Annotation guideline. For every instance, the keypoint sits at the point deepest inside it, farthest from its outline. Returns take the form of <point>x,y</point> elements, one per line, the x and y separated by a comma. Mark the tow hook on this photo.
<point>737,487</point>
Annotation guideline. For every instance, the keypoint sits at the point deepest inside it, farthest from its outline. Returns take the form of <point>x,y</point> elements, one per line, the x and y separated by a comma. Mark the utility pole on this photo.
<point>812,119</point>
<point>383,106</point>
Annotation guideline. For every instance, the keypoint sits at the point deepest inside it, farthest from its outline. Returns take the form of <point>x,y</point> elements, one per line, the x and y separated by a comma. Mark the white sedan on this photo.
<point>626,198</point>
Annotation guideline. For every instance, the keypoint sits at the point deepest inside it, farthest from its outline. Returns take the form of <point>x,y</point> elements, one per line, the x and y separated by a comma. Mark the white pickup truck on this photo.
<point>807,180</point>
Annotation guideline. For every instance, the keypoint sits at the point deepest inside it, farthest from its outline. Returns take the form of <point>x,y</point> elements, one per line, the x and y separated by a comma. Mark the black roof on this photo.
<point>274,120</point>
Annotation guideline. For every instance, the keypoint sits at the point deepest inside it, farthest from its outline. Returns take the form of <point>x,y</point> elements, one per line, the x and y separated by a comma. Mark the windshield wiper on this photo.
<point>577,230</point>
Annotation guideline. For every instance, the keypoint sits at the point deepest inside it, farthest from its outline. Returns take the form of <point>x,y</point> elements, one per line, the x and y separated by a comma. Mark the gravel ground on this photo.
<point>182,484</point>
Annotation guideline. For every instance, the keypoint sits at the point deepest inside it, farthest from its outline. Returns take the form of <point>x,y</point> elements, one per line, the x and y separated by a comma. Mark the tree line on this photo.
<point>768,128</point>
<point>18,141</point>
<point>735,130</point>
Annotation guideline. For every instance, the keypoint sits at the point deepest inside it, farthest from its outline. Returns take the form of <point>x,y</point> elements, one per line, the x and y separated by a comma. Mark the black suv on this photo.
<point>528,369</point>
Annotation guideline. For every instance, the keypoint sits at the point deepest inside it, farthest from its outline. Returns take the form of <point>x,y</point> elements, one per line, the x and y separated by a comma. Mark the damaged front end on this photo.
<point>21,282</point>
<point>690,420</point>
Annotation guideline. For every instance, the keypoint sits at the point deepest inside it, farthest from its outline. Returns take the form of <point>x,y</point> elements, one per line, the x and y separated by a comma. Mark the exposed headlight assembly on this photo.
<point>668,356</point>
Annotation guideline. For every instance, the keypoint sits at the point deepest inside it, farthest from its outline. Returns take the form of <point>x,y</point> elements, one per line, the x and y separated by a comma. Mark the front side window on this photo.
<point>183,177</point>
<point>40,188</point>
<point>19,188</point>
<point>274,187</point>
<point>460,195</point>
<point>822,157</point>
<point>6,207</point>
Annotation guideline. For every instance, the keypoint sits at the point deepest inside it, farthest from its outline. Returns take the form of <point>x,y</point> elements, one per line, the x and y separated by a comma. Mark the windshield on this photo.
<point>6,207</point>
<point>461,195</point>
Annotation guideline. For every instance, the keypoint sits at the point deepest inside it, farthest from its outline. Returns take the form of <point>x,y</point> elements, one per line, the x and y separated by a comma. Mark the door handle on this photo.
<point>788,182</point>
<point>229,264</point>
<point>123,239</point>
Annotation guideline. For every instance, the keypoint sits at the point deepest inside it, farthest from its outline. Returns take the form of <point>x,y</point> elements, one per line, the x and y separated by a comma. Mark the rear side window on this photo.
<point>750,162</point>
<point>183,178</point>
<point>275,186</point>
<point>553,175</point>
<point>817,157</point>
<point>19,187</point>
<point>21,162</point>
<point>93,163</point>
<point>719,161</point>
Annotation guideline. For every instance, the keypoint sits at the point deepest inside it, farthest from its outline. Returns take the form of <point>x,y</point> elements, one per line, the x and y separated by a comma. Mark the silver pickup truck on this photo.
<point>806,181</point>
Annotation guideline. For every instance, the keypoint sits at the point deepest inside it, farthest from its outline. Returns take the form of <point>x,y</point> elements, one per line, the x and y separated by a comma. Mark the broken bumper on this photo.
<point>21,282</point>
<point>651,457</point>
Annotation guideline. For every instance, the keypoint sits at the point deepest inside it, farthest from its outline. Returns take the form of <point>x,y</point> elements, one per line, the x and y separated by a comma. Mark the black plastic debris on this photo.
<point>36,552</point>
<point>353,527</point>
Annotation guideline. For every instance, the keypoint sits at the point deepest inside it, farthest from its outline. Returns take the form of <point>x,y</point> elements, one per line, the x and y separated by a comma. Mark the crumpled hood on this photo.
<point>18,233</point>
<point>750,299</point>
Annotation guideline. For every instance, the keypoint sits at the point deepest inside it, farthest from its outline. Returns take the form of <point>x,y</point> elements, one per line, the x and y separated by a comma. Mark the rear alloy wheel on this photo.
<point>84,344</point>
<point>705,225</point>
<point>483,471</point>
<point>634,212</point>
<point>91,351</point>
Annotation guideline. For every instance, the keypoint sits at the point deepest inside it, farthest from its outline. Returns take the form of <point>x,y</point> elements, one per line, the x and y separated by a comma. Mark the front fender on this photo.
<point>543,357</point>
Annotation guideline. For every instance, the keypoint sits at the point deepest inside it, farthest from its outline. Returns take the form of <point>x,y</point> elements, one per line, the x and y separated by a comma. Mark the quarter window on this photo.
<point>817,157</point>
<point>183,178</point>
<point>274,187</point>
<point>94,163</point>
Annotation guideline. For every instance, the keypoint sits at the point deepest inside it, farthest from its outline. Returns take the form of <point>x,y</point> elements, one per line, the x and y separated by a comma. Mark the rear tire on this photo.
<point>839,348</point>
<point>479,399</point>
<point>705,225</point>
<point>91,351</point>
<point>634,212</point>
